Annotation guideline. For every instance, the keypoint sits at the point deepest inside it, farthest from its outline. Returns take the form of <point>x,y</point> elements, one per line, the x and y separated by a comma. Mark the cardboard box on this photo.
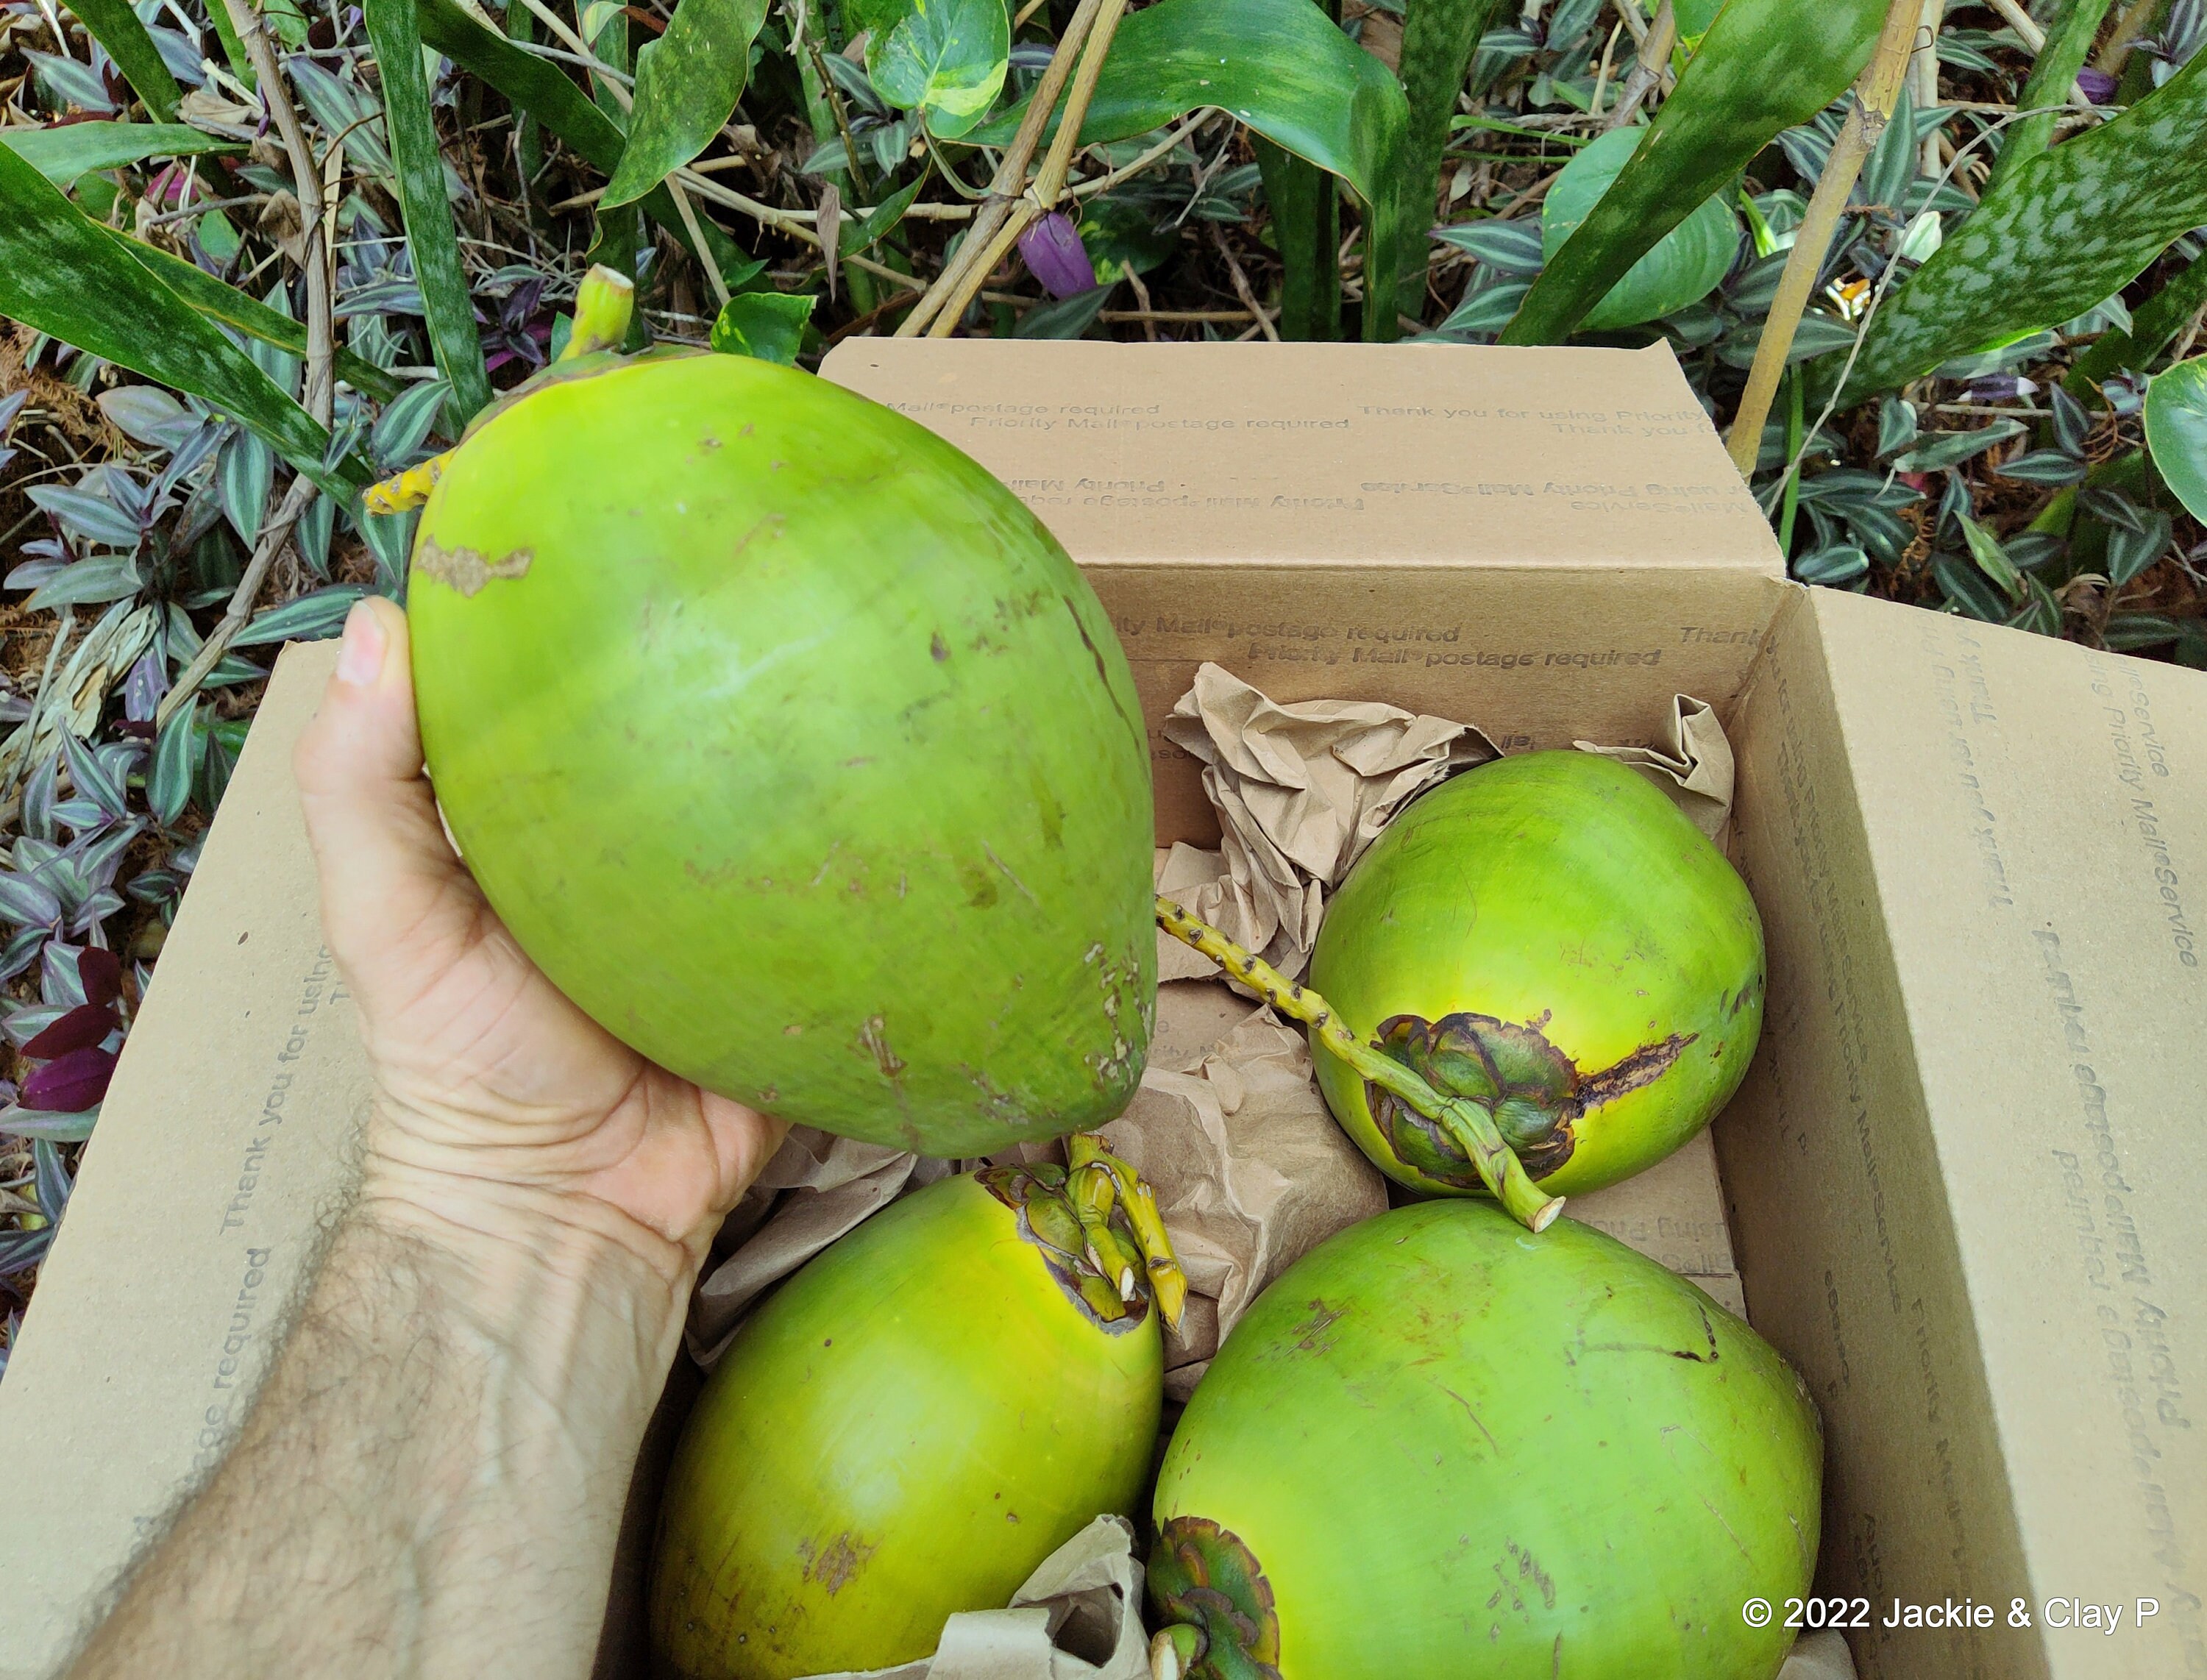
<point>1963,1180</point>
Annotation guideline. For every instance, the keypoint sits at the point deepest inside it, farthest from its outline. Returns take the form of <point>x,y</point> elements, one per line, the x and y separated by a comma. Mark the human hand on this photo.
<point>500,1105</point>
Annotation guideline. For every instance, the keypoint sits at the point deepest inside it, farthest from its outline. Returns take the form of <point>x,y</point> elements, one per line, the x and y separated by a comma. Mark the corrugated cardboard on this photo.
<point>1963,1178</point>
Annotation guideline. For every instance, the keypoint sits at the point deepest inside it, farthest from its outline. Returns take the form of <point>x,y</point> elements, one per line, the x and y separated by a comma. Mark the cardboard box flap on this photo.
<point>1589,459</point>
<point>129,1379</point>
<point>1982,859</point>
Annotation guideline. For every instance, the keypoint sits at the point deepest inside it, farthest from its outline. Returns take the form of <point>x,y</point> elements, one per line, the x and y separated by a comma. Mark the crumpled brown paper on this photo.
<point>1078,1617</point>
<point>1300,791</point>
<point>1694,765</point>
<point>1822,1656</point>
<point>815,1189</point>
<point>1250,1170</point>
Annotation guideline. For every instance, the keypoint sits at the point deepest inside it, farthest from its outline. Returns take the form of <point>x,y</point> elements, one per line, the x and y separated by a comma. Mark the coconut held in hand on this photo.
<point>792,747</point>
<point>1548,938</point>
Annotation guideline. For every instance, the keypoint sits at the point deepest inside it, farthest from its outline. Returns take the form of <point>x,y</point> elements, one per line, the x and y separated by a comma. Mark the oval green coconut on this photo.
<point>906,1430</point>
<point>793,748</point>
<point>1548,936</point>
<point>1440,1446</point>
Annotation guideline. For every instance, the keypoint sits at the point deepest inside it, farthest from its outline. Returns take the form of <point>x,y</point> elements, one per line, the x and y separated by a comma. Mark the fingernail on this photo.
<point>360,656</point>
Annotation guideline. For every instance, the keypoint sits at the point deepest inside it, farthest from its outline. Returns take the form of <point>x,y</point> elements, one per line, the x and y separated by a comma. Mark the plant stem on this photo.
<point>1043,193</point>
<point>1471,1125</point>
<point>1011,174</point>
<point>1168,1282</point>
<point>2128,27</point>
<point>2052,86</point>
<point>1792,502</point>
<point>1876,91</point>
<point>1648,67</point>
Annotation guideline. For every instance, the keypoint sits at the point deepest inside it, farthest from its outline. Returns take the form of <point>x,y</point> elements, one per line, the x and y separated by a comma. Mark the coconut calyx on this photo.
<point>604,304</point>
<point>1221,1621</point>
<point>1470,1126</point>
<point>1100,1231</point>
<point>1534,1093</point>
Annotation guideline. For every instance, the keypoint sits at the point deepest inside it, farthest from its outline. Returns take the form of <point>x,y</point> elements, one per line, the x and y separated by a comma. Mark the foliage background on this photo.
<point>240,278</point>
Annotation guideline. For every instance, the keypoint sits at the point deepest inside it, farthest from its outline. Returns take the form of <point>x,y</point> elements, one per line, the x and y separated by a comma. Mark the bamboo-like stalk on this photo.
<point>1648,68</point>
<point>1043,193</point>
<point>2123,36</point>
<point>1011,171</point>
<point>1471,1125</point>
<point>1877,90</point>
<point>1924,77</point>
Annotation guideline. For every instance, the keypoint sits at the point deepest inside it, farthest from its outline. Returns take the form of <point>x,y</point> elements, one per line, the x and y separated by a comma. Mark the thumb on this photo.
<point>396,899</point>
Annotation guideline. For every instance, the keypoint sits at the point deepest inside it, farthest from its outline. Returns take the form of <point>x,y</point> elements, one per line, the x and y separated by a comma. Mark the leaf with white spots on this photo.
<point>2070,228</point>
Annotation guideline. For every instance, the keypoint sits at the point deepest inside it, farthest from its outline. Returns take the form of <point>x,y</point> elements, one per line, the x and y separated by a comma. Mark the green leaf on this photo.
<point>431,237</point>
<point>1283,69</point>
<point>247,315</point>
<point>2053,74</point>
<point>1064,317</point>
<point>1839,565</point>
<point>767,324</point>
<point>116,27</point>
<point>2069,228</point>
<point>687,83</point>
<point>309,618</point>
<point>1685,267</point>
<point>2131,551</point>
<point>63,153</point>
<point>2176,432</point>
<point>1122,238</point>
<point>61,273</point>
<point>944,57</point>
<point>1992,559</point>
<point>176,749</point>
<point>1439,39</point>
<point>2157,320</point>
<point>543,90</point>
<point>860,233</point>
<point>1765,66</point>
<point>1937,451</point>
<point>1307,227</point>
<point>98,579</point>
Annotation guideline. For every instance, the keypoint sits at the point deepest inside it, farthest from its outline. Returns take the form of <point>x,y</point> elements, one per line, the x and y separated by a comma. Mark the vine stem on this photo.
<point>1471,1125</point>
<point>1876,91</point>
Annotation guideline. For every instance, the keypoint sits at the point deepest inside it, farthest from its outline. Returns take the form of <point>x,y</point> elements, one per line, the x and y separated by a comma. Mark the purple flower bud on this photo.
<point>69,1084</point>
<point>1056,256</point>
<point>2097,86</point>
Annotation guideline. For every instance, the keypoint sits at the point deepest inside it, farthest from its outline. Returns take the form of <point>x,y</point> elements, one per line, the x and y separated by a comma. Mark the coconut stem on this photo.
<point>1094,1192</point>
<point>603,306</point>
<point>1168,1282</point>
<point>1471,1125</point>
<point>1175,1651</point>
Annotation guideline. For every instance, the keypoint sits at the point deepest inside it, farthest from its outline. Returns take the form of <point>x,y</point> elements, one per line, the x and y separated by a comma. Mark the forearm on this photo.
<point>432,1477</point>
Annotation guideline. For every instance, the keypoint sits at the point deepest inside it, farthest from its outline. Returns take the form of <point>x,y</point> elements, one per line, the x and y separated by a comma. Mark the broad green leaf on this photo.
<point>1764,66</point>
<point>1439,39</point>
<point>2131,550</point>
<point>431,237</point>
<point>544,91</point>
<point>1840,564</point>
<point>944,57</point>
<point>1307,227</point>
<point>1685,267</point>
<point>687,83</point>
<point>63,153</point>
<point>98,578</point>
<point>116,27</point>
<point>246,315</point>
<point>2065,230</point>
<point>341,106</point>
<point>61,273</point>
<point>2176,432</point>
<point>767,324</point>
<point>1937,451</point>
<point>1283,69</point>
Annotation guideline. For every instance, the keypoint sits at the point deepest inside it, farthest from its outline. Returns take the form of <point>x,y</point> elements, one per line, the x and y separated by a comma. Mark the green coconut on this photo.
<point>793,748</point>
<point>1548,938</point>
<point>1442,1446</point>
<point>906,1430</point>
